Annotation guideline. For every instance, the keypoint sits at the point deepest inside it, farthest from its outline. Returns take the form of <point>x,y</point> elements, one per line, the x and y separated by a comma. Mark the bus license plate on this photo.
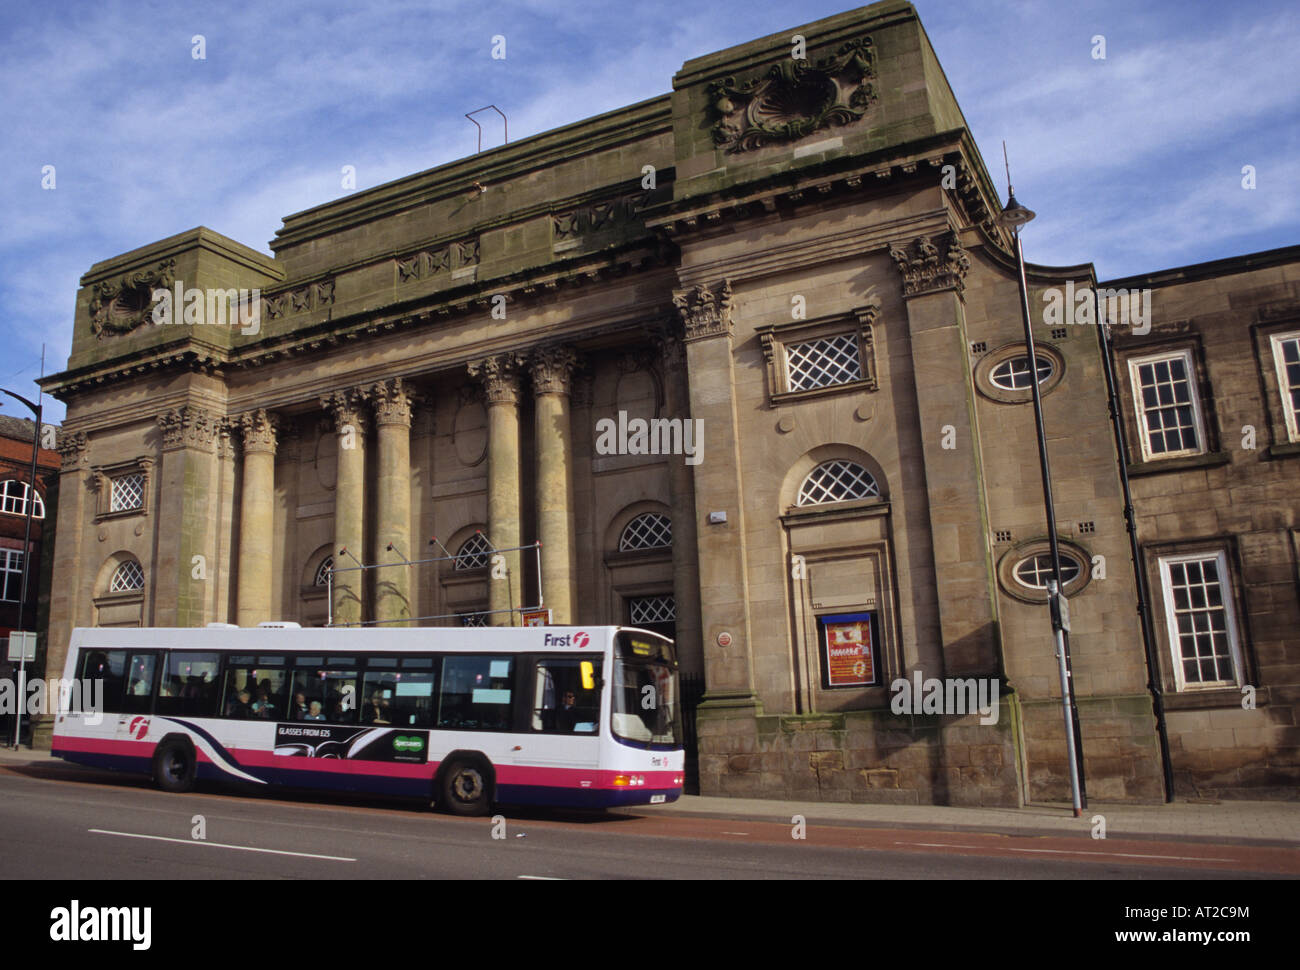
<point>656,799</point>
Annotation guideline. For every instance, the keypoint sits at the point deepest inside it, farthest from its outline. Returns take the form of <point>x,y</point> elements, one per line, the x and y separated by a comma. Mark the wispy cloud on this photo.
<point>1133,162</point>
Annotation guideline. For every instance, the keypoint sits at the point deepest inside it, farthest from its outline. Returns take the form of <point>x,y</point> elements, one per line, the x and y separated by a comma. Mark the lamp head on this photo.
<point>1014,215</point>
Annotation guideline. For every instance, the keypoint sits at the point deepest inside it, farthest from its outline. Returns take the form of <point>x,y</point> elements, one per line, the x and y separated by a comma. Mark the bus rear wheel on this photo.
<point>465,789</point>
<point>173,766</point>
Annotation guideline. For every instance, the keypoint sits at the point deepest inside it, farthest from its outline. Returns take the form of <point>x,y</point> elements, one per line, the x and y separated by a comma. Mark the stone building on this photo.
<point>1211,400</point>
<point>795,259</point>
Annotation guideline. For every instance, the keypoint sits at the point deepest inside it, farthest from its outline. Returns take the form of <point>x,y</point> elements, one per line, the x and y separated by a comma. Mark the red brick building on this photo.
<point>15,471</point>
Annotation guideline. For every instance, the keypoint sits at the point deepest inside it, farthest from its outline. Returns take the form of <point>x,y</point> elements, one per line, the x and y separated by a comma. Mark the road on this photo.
<point>65,822</point>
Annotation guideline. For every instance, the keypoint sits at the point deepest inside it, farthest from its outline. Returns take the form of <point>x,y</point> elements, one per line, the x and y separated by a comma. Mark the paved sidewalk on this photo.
<point>1274,822</point>
<point>1233,821</point>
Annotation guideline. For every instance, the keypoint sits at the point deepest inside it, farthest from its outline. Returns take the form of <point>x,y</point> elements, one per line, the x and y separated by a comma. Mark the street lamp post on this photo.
<point>1013,217</point>
<point>27,562</point>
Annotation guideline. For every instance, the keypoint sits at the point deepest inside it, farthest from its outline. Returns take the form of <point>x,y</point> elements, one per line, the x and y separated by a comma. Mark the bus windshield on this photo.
<point>645,691</point>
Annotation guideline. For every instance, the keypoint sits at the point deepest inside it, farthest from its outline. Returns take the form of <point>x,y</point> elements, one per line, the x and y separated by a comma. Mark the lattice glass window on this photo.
<point>1286,353</point>
<point>824,362</point>
<point>13,499</point>
<point>323,572</point>
<point>1167,410</point>
<point>128,578</point>
<point>128,493</point>
<point>649,531</point>
<point>645,610</point>
<point>472,619</point>
<point>1013,373</point>
<point>474,552</point>
<point>837,481</point>
<point>1202,628</point>
<point>1035,571</point>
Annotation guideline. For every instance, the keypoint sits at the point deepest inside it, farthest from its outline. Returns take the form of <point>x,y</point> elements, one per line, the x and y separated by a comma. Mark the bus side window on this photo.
<point>109,668</point>
<point>142,671</point>
<point>563,701</point>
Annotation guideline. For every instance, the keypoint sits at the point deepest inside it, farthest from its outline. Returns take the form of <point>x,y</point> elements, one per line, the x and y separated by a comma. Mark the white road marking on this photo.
<point>544,878</point>
<point>222,845</point>
<point>1084,852</point>
<point>735,833</point>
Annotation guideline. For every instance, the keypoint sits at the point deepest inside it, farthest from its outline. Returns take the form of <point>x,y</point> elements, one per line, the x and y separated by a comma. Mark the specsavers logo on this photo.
<point>403,743</point>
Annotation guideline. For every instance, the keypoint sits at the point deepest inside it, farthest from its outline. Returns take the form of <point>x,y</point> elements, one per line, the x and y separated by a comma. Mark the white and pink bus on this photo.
<point>465,718</point>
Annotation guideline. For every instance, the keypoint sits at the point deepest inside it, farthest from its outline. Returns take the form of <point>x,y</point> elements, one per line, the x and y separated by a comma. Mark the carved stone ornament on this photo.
<point>430,262</point>
<point>597,217</point>
<point>794,99</point>
<point>672,351</point>
<point>313,296</point>
<point>499,375</point>
<point>188,427</point>
<point>703,314</point>
<point>259,428</point>
<point>119,306</point>
<point>392,400</point>
<point>552,369</point>
<point>347,408</point>
<point>73,449</point>
<point>930,264</point>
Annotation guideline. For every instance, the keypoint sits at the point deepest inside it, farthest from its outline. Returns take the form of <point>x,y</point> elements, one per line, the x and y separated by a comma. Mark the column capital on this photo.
<point>392,401</point>
<point>259,428</point>
<point>702,313</point>
<point>499,375</point>
<point>552,369</point>
<point>74,449</point>
<point>347,407</point>
<point>188,427</point>
<point>929,264</point>
<point>226,439</point>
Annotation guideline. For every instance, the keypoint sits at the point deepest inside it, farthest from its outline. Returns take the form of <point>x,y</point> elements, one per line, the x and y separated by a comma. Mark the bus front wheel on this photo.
<point>173,766</point>
<point>465,788</point>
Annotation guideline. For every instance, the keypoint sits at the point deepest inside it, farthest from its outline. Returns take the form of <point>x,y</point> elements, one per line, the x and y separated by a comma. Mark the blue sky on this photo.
<point>1133,162</point>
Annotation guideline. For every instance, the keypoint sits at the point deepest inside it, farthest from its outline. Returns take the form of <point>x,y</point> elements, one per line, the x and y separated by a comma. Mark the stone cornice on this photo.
<point>327,334</point>
<point>188,427</point>
<point>840,180</point>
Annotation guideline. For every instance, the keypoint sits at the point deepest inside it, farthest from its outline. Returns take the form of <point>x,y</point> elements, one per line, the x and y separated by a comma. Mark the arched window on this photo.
<point>1013,373</point>
<point>837,480</point>
<point>128,578</point>
<point>649,531</point>
<point>323,572</point>
<point>13,499</point>
<point>1034,571</point>
<point>474,552</point>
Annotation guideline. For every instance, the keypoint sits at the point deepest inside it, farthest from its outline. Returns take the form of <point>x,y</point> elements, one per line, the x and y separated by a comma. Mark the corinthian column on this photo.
<point>392,405</point>
<point>347,409</point>
<point>552,370</point>
<point>500,378</point>
<point>256,518</point>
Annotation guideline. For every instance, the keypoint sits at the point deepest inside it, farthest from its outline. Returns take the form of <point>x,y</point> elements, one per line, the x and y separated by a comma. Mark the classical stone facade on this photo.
<point>787,274</point>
